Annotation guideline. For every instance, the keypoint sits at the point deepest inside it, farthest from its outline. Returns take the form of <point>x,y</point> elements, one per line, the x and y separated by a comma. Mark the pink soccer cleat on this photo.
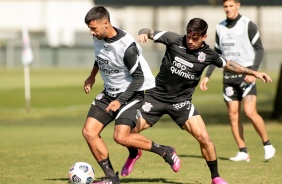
<point>218,180</point>
<point>128,166</point>
<point>171,158</point>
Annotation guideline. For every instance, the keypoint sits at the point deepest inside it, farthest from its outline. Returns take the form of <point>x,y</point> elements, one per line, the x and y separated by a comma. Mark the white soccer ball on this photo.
<point>81,173</point>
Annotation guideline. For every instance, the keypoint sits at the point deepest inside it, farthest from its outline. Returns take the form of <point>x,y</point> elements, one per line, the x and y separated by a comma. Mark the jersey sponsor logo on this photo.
<point>101,60</point>
<point>179,67</point>
<point>182,104</point>
<point>202,57</point>
<point>231,54</point>
<point>184,62</point>
<point>108,71</point>
<point>147,107</point>
<point>228,44</point>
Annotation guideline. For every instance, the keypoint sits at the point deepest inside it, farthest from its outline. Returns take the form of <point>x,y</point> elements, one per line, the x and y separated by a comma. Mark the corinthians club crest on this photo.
<point>202,57</point>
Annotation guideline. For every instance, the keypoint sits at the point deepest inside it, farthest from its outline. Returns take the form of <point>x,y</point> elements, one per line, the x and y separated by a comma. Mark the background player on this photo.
<point>238,40</point>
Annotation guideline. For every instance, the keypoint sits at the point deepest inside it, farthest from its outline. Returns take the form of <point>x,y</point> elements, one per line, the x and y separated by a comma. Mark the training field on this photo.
<point>39,146</point>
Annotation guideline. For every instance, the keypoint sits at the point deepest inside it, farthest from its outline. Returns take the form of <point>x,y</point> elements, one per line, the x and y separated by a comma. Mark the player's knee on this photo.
<point>87,134</point>
<point>232,114</point>
<point>250,113</point>
<point>120,139</point>
<point>203,139</point>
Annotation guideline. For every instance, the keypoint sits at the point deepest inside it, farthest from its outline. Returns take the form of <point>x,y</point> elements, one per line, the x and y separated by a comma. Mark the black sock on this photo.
<point>132,152</point>
<point>107,167</point>
<point>213,168</point>
<point>243,150</point>
<point>157,149</point>
<point>266,143</point>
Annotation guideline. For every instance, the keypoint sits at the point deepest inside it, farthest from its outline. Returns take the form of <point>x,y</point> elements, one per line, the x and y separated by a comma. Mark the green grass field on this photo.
<point>39,146</point>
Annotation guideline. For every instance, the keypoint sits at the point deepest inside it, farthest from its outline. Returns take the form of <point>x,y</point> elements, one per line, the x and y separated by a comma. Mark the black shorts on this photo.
<point>126,115</point>
<point>236,89</point>
<point>152,110</point>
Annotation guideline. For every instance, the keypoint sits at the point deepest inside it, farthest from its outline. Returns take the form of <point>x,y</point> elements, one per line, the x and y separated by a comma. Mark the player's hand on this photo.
<point>88,84</point>
<point>143,38</point>
<point>249,79</point>
<point>204,83</point>
<point>113,106</point>
<point>262,76</point>
<point>87,88</point>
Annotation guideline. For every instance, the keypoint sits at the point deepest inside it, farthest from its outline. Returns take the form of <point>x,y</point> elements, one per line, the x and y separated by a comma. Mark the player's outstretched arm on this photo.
<point>145,34</point>
<point>237,68</point>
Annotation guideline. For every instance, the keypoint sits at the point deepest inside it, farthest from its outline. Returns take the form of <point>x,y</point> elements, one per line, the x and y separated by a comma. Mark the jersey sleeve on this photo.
<point>165,37</point>
<point>255,40</point>
<point>132,63</point>
<point>217,60</point>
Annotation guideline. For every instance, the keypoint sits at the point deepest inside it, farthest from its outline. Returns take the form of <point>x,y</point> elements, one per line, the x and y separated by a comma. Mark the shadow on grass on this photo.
<point>200,157</point>
<point>221,118</point>
<point>131,180</point>
<point>149,180</point>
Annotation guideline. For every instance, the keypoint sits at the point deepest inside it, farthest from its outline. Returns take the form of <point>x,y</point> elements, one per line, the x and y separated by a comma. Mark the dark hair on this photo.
<point>197,27</point>
<point>97,13</point>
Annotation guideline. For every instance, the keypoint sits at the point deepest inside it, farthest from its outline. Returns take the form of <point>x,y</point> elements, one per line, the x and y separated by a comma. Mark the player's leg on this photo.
<point>196,127</point>
<point>137,142</point>
<point>97,119</point>
<point>232,94</point>
<point>258,123</point>
<point>134,154</point>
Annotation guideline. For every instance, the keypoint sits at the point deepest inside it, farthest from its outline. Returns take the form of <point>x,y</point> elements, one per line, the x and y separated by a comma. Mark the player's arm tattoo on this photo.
<point>237,68</point>
<point>147,31</point>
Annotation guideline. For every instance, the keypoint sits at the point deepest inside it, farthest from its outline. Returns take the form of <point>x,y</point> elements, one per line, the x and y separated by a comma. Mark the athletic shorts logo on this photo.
<point>229,91</point>
<point>182,104</point>
<point>147,107</point>
<point>99,96</point>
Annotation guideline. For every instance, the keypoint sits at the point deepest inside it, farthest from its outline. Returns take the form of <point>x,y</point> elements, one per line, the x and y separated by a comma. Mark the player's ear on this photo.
<point>238,6</point>
<point>106,23</point>
<point>205,36</point>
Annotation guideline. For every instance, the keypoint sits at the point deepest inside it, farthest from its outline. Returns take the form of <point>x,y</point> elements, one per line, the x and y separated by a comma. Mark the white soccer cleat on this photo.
<point>241,156</point>
<point>269,152</point>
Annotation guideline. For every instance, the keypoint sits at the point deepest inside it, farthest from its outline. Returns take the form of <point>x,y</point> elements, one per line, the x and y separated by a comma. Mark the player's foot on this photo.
<point>269,152</point>
<point>171,158</point>
<point>128,166</point>
<point>108,180</point>
<point>241,156</point>
<point>218,180</point>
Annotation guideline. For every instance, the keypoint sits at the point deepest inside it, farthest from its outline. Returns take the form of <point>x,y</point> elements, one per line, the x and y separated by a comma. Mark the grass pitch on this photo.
<point>39,146</point>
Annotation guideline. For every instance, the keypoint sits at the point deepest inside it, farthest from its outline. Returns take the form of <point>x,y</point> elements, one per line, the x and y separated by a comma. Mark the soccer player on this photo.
<point>126,75</point>
<point>185,58</point>
<point>238,40</point>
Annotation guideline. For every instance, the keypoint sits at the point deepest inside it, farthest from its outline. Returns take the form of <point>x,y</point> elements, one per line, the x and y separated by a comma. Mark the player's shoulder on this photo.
<point>222,23</point>
<point>210,53</point>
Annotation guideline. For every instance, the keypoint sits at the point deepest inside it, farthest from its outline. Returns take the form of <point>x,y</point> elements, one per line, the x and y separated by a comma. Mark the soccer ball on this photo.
<point>81,173</point>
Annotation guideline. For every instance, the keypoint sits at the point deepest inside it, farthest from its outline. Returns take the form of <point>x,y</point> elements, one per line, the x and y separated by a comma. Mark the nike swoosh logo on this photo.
<point>182,47</point>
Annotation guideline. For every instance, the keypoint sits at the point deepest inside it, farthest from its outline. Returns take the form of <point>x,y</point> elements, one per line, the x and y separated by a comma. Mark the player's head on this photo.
<point>98,21</point>
<point>196,33</point>
<point>231,8</point>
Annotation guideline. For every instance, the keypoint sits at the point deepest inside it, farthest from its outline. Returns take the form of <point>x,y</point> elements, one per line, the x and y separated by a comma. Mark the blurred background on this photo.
<point>60,38</point>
